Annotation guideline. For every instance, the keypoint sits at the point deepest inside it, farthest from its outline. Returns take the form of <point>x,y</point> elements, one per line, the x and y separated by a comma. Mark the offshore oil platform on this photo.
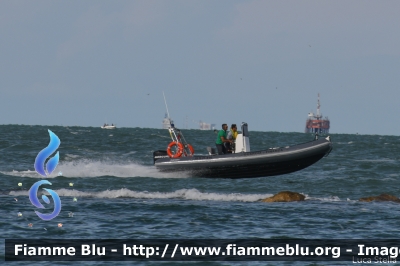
<point>316,123</point>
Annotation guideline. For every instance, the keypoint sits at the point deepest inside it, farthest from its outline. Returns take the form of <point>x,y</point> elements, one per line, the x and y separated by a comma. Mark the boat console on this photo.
<point>242,143</point>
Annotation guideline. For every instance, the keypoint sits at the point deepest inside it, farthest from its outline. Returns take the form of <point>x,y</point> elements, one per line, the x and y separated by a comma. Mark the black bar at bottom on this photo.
<point>355,250</point>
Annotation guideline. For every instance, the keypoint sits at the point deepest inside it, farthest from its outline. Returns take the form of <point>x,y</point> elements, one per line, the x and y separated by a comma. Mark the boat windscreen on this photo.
<point>245,130</point>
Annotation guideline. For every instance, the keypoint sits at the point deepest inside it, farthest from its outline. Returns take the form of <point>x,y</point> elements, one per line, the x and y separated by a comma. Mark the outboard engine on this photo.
<point>242,143</point>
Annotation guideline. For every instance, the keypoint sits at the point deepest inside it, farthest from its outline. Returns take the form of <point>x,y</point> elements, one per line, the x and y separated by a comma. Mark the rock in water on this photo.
<point>382,197</point>
<point>285,196</point>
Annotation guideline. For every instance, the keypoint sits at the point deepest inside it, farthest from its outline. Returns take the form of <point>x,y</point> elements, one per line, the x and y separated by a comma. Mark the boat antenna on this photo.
<point>166,104</point>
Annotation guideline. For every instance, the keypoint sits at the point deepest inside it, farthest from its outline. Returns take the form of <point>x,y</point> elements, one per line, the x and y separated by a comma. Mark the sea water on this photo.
<point>109,188</point>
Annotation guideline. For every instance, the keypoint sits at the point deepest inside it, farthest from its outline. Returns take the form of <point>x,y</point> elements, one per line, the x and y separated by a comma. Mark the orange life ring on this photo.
<point>191,150</point>
<point>178,152</point>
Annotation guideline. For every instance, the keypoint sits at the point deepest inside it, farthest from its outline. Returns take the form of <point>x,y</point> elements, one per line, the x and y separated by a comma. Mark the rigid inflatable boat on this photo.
<point>243,163</point>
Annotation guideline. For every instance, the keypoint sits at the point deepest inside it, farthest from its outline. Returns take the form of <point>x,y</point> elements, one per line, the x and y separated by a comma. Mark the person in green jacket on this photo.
<point>221,139</point>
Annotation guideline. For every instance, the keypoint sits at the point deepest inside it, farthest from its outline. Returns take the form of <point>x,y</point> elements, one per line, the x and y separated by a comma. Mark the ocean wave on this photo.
<point>129,153</point>
<point>384,160</point>
<point>344,143</point>
<point>74,156</point>
<point>161,136</point>
<point>325,199</point>
<point>27,173</point>
<point>187,194</point>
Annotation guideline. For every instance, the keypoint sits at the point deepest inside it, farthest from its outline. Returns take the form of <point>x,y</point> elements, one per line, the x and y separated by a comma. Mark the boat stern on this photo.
<point>160,154</point>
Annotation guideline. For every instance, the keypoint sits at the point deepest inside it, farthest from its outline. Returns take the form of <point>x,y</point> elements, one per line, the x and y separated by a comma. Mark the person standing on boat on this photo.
<point>221,139</point>
<point>232,134</point>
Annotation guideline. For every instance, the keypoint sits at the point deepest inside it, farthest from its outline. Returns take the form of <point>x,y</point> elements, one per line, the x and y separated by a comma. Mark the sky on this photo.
<point>89,62</point>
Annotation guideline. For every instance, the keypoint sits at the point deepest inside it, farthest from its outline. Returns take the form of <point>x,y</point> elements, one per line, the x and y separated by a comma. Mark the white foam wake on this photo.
<point>87,168</point>
<point>187,194</point>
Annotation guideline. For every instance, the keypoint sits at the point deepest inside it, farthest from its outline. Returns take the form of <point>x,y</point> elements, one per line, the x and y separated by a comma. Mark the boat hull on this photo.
<point>271,162</point>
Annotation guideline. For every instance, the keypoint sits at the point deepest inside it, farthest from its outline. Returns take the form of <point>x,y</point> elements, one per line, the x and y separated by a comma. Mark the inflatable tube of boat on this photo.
<point>178,152</point>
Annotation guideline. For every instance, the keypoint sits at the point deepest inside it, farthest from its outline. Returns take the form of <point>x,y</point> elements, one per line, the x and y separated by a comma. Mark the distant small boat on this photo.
<point>167,122</point>
<point>106,126</point>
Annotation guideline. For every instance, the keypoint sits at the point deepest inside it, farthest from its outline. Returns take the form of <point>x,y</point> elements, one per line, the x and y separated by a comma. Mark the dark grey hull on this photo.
<point>269,162</point>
